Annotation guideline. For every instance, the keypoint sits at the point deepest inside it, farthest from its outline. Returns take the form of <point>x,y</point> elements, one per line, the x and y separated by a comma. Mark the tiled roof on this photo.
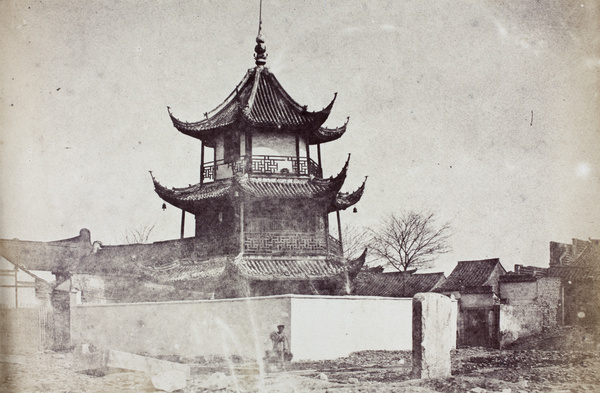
<point>289,268</point>
<point>53,256</point>
<point>344,200</point>
<point>190,198</point>
<point>288,188</point>
<point>269,104</point>
<point>260,100</point>
<point>396,284</point>
<point>324,134</point>
<point>575,273</point>
<point>187,269</point>
<point>470,274</point>
<point>478,290</point>
<point>160,259</point>
<point>586,266</point>
<point>590,256</point>
<point>513,277</point>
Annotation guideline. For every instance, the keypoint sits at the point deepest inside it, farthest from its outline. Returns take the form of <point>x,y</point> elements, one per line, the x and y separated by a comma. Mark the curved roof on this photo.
<point>296,268</point>
<point>261,101</point>
<point>192,198</point>
<point>344,200</point>
<point>55,256</point>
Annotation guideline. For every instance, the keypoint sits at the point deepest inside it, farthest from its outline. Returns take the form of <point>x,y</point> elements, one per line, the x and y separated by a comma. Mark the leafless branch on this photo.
<point>410,240</point>
<point>140,234</point>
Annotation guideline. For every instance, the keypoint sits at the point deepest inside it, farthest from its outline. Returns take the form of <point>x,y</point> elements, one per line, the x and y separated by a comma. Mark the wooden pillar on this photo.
<point>337,212</point>
<point>242,226</point>
<point>202,162</point>
<point>248,141</point>
<point>319,155</point>
<point>327,232</point>
<point>307,156</point>
<point>182,222</point>
<point>297,154</point>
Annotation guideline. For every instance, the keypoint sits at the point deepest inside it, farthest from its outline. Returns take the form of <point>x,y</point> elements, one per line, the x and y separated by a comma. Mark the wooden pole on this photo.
<point>248,159</point>
<point>307,156</point>
<point>202,162</point>
<point>337,212</point>
<point>319,155</point>
<point>242,226</point>
<point>182,222</point>
<point>297,154</point>
<point>327,232</point>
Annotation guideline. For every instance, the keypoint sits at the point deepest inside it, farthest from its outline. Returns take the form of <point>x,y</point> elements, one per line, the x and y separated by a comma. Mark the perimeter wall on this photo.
<point>318,327</point>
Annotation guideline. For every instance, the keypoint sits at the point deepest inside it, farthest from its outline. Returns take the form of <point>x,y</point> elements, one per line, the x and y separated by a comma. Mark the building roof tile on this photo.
<point>396,284</point>
<point>191,198</point>
<point>260,100</point>
<point>586,264</point>
<point>291,268</point>
<point>470,274</point>
<point>514,277</point>
<point>187,269</point>
<point>55,256</point>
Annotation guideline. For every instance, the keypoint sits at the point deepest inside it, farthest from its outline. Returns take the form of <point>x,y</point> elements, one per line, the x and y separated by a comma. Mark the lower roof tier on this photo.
<point>187,260</point>
<point>195,198</point>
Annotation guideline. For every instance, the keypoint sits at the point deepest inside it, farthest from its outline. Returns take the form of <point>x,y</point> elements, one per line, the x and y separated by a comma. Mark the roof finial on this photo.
<point>260,55</point>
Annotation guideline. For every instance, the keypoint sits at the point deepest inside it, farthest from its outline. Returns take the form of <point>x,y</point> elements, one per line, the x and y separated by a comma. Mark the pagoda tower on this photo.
<point>262,203</point>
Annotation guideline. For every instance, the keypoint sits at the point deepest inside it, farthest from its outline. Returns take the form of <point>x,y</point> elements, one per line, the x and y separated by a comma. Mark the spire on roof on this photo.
<point>260,55</point>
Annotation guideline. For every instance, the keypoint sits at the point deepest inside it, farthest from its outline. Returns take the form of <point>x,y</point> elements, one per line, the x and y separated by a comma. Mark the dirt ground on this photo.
<point>566,360</point>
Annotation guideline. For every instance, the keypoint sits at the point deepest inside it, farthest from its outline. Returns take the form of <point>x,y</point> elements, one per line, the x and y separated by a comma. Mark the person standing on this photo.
<point>281,344</point>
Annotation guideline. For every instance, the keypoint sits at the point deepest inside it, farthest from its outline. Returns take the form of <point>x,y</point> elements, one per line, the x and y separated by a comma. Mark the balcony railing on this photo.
<point>265,165</point>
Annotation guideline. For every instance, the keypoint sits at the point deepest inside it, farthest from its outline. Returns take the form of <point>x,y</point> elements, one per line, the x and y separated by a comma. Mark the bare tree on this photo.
<point>139,234</point>
<point>410,240</point>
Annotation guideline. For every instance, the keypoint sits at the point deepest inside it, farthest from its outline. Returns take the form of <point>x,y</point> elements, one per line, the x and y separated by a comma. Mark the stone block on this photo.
<point>432,335</point>
<point>169,381</point>
<point>112,359</point>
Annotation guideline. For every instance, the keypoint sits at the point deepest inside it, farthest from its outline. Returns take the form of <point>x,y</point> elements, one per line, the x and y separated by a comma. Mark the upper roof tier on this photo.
<point>260,101</point>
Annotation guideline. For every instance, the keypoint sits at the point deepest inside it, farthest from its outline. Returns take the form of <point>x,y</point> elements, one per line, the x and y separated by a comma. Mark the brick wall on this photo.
<point>549,299</point>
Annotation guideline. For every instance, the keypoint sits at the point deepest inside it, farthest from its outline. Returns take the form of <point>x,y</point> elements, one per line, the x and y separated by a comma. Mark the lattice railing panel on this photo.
<point>282,241</point>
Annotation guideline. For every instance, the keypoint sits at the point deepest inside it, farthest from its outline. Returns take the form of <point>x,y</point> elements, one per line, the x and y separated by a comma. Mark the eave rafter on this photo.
<point>345,200</point>
<point>195,198</point>
<point>260,101</point>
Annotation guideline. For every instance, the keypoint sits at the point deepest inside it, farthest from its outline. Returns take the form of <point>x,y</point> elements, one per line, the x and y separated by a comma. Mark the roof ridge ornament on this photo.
<point>260,55</point>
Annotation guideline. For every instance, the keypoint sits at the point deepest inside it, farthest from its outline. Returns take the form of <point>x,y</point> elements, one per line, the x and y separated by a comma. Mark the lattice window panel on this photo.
<point>209,172</point>
<point>282,242</point>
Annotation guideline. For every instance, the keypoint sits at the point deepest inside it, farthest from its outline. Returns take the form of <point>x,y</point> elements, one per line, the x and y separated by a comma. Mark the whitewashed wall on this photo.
<point>319,327</point>
<point>272,144</point>
<point>332,327</point>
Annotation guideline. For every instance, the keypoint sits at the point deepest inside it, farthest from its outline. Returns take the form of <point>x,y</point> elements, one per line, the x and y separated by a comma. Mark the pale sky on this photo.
<point>440,96</point>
